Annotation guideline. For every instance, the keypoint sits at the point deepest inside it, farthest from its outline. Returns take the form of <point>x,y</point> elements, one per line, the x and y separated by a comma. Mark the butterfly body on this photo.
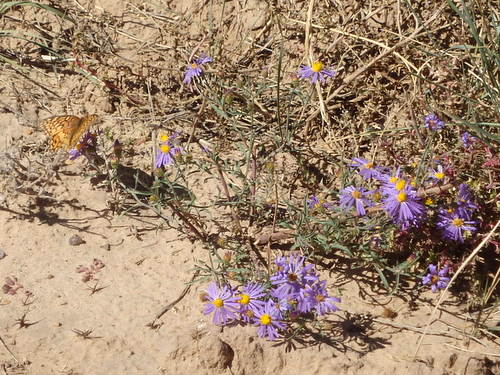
<point>66,131</point>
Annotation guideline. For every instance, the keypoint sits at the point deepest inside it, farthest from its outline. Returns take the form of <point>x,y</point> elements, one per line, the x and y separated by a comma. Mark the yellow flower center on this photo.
<point>434,279</point>
<point>319,204</point>
<point>393,180</point>
<point>265,319</point>
<point>320,298</point>
<point>457,222</point>
<point>194,65</point>
<point>429,201</point>
<point>376,196</point>
<point>244,299</point>
<point>356,194</point>
<point>218,303</point>
<point>401,197</point>
<point>368,165</point>
<point>439,175</point>
<point>164,138</point>
<point>165,148</point>
<point>400,185</point>
<point>317,66</point>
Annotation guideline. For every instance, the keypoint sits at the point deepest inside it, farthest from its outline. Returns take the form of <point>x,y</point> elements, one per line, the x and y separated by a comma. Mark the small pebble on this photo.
<point>2,254</point>
<point>76,240</point>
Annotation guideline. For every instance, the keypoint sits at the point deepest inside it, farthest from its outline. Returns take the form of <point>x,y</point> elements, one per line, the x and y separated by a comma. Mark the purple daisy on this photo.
<point>74,153</point>
<point>467,139</point>
<point>465,203</point>
<point>316,297</point>
<point>314,203</point>
<point>367,169</point>
<point>432,122</point>
<point>453,225</point>
<point>249,301</point>
<point>389,180</point>
<point>196,69</point>
<point>222,302</point>
<point>437,175</point>
<point>269,320</point>
<point>404,206</point>
<point>88,141</point>
<point>315,72</point>
<point>287,298</point>
<point>168,150</point>
<point>355,196</point>
<point>292,274</point>
<point>436,279</point>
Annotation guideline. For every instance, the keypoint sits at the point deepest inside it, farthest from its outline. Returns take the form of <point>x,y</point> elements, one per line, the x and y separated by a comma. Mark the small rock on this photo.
<point>217,353</point>
<point>76,240</point>
<point>2,254</point>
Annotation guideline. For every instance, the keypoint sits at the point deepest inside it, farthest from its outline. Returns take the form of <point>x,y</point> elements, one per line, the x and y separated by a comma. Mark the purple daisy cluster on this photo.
<point>168,150</point>
<point>398,197</point>
<point>295,289</point>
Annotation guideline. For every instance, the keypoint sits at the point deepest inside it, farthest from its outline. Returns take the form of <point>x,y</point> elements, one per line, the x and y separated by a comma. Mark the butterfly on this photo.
<point>66,131</point>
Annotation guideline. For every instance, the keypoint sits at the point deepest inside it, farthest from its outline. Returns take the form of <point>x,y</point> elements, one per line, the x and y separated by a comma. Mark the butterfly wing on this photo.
<point>84,124</point>
<point>65,131</point>
<point>59,129</point>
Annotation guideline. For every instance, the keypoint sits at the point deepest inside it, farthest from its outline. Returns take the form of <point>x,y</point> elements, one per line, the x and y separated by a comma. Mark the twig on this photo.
<point>195,123</point>
<point>86,334</point>
<point>201,236</point>
<point>228,196</point>
<point>412,328</point>
<point>176,301</point>
<point>472,351</point>
<point>25,324</point>
<point>6,347</point>
<point>307,40</point>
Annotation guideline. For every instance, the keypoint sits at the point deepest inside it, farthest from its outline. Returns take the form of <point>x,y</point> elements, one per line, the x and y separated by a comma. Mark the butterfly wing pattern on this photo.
<point>66,131</point>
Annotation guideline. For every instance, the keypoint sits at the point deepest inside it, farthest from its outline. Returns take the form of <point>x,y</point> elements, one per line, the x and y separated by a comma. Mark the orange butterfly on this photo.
<point>66,131</point>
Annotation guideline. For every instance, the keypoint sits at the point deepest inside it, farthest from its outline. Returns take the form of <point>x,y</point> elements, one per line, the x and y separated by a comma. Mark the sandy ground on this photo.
<point>143,271</point>
<point>58,323</point>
